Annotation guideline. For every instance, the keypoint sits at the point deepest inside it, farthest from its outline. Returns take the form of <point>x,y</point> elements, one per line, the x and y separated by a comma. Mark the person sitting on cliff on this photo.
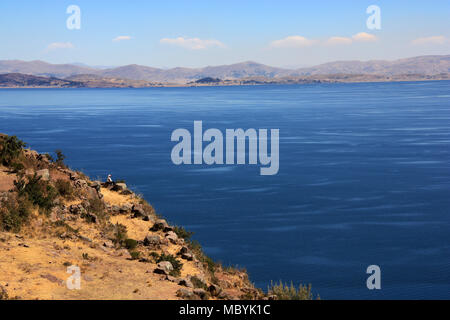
<point>109,179</point>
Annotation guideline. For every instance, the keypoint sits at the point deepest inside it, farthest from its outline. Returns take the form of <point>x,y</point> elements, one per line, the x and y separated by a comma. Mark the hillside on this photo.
<point>422,65</point>
<point>52,218</point>
<point>426,65</point>
<point>23,80</point>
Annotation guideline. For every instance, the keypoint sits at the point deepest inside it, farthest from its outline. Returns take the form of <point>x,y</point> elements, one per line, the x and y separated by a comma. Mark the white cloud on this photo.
<point>60,45</point>
<point>430,40</point>
<point>192,43</point>
<point>338,40</point>
<point>292,42</point>
<point>121,38</point>
<point>364,37</point>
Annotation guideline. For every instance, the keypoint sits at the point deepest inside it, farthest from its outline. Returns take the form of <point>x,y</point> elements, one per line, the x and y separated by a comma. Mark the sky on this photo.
<point>197,33</point>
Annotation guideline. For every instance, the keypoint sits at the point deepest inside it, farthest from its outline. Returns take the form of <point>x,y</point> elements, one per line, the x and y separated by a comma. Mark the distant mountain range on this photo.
<point>422,65</point>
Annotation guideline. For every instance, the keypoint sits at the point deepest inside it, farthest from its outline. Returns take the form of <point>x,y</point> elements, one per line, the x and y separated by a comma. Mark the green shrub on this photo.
<point>39,192</point>
<point>60,157</point>
<point>176,264</point>
<point>135,255</point>
<point>285,292</point>
<point>17,167</point>
<point>130,244</point>
<point>196,248</point>
<point>120,233</point>
<point>64,188</point>
<point>182,233</point>
<point>198,283</point>
<point>11,148</point>
<point>14,213</point>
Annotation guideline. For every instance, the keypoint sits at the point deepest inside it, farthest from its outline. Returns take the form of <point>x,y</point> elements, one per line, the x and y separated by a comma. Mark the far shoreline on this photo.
<point>225,85</point>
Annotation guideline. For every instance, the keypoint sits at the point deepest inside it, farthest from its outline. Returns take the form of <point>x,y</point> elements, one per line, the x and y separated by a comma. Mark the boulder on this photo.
<point>119,187</point>
<point>168,228</point>
<point>164,267</point>
<point>92,193</point>
<point>77,209</point>
<point>183,250</point>
<point>152,240</point>
<point>185,283</point>
<point>108,244</point>
<point>115,209</point>
<point>159,224</point>
<point>172,237</point>
<point>138,211</point>
<point>126,207</point>
<point>126,192</point>
<point>214,290</point>
<point>186,294</point>
<point>74,176</point>
<point>201,293</point>
<point>80,183</point>
<point>224,296</point>
<point>96,185</point>
<point>44,174</point>
<point>187,256</point>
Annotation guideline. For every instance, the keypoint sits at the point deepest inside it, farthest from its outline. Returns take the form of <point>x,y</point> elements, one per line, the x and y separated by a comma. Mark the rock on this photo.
<point>77,209</point>
<point>80,183</point>
<point>96,185</point>
<point>74,176</point>
<point>186,283</point>
<point>159,224</point>
<point>126,192</point>
<point>108,244</point>
<point>187,256</point>
<point>83,238</point>
<point>152,240</point>
<point>90,217</point>
<point>124,253</point>
<point>29,172</point>
<point>119,187</point>
<point>168,228</point>
<point>115,209</point>
<point>214,290</point>
<point>171,279</point>
<point>164,267</point>
<point>44,174</point>
<point>138,211</point>
<point>172,237</point>
<point>183,250</point>
<point>92,193</point>
<point>224,296</point>
<point>3,293</point>
<point>201,293</point>
<point>52,278</point>
<point>126,207</point>
<point>186,294</point>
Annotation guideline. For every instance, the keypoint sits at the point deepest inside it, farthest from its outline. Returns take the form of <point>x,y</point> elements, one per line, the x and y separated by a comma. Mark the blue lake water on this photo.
<point>364,175</point>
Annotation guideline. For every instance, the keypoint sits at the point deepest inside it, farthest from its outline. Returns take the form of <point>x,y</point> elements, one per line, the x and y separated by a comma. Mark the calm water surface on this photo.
<point>364,175</point>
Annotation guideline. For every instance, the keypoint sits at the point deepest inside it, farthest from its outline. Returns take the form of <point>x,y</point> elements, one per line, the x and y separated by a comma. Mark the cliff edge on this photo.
<point>55,221</point>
